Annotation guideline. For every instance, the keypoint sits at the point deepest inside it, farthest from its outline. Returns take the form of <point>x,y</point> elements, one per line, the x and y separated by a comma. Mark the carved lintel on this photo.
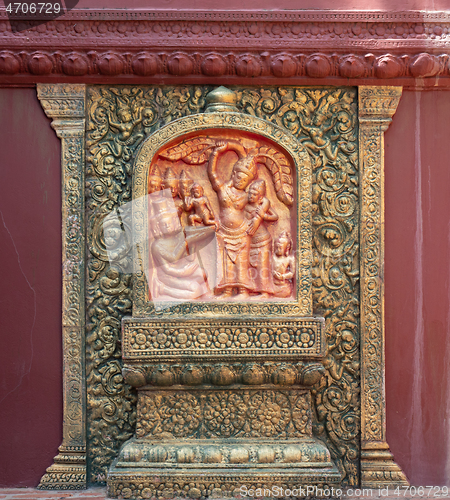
<point>304,46</point>
<point>307,339</point>
<point>376,108</point>
<point>65,104</point>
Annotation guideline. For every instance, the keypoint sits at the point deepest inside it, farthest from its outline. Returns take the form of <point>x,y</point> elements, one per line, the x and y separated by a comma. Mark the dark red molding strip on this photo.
<point>281,47</point>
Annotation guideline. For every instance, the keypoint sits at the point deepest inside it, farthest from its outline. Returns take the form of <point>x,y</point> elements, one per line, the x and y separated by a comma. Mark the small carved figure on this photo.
<point>203,213</point>
<point>171,182</point>
<point>185,185</point>
<point>283,265</point>
<point>178,274</point>
<point>125,126</point>
<point>154,179</point>
<point>116,239</point>
<point>126,123</point>
<point>318,139</point>
<point>257,211</point>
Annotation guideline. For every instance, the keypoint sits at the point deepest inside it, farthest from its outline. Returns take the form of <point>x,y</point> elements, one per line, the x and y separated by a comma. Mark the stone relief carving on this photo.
<point>112,141</point>
<point>335,282</point>
<point>226,414</point>
<point>236,210</point>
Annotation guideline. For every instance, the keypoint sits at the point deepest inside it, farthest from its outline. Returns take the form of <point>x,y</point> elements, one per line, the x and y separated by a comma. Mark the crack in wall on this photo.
<point>28,370</point>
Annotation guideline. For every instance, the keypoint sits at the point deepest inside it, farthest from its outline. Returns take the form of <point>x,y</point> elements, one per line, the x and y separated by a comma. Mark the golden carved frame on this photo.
<point>231,121</point>
<point>65,104</point>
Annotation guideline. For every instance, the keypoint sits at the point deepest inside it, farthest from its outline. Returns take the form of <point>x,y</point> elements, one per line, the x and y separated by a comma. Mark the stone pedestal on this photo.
<point>221,405</point>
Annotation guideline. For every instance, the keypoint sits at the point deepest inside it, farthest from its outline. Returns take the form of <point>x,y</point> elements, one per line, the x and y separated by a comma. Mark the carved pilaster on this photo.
<point>65,104</point>
<point>376,108</point>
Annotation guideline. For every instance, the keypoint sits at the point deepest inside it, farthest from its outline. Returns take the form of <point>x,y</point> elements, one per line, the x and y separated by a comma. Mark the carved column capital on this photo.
<point>377,105</point>
<point>65,104</point>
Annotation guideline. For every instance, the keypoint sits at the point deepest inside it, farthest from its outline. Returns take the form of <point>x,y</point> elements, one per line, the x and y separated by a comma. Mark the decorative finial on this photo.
<point>221,99</point>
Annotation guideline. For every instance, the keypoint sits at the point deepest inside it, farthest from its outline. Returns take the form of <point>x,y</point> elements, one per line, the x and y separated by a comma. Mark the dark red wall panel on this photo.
<point>418,286</point>
<point>30,293</point>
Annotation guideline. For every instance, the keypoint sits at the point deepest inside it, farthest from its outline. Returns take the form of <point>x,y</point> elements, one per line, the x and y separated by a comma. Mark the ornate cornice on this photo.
<point>248,15</point>
<point>301,47</point>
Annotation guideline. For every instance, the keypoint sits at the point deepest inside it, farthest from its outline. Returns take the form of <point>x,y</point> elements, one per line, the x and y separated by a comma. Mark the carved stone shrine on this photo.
<point>230,329</point>
<point>223,378</point>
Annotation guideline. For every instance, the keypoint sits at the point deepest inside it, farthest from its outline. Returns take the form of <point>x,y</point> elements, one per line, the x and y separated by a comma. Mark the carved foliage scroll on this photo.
<point>325,122</point>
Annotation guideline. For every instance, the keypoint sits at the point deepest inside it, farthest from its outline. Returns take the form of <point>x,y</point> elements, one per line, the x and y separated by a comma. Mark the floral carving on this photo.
<point>172,339</point>
<point>181,415</point>
<point>224,414</point>
<point>301,413</point>
<point>268,414</point>
<point>325,122</point>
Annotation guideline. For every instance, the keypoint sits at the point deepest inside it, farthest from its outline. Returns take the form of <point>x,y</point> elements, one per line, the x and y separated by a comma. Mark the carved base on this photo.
<point>218,467</point>
<point>378,468</point>
<point>68,472</point>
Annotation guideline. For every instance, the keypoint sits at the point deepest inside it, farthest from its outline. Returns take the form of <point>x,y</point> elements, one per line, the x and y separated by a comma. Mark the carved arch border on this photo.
<point>65,104</point>
<point>237,122</point>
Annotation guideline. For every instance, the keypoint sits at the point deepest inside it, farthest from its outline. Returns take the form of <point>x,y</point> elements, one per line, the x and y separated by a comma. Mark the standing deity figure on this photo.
<point>283,265</point>
<point>232,235</point>
<point>171,182</point>
<point>258,211</point>
<point>203,213</point>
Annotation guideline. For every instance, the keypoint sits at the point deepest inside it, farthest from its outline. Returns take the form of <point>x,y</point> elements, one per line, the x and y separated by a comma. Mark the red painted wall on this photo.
<point>417,288</point>
<point>30,292</point>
